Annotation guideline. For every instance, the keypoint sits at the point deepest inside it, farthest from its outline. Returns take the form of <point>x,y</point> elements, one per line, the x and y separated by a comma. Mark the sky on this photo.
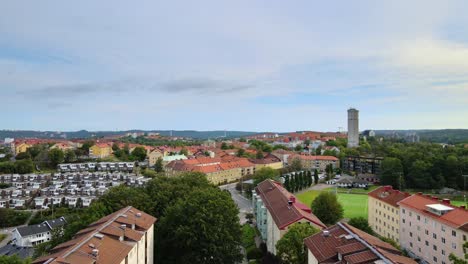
<point>238,65</point>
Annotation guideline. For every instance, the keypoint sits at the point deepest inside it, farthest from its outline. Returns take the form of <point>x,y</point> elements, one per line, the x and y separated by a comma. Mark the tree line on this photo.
<point>296,181</point>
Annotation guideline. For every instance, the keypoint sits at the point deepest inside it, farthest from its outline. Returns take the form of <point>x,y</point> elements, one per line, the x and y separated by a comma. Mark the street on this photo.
<point>244,204</point>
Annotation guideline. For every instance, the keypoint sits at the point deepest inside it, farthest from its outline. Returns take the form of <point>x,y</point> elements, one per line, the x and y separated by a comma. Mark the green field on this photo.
<point>354,205</point>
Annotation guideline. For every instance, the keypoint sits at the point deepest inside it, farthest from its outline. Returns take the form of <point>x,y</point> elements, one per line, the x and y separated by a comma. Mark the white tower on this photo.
<point>353,128</point>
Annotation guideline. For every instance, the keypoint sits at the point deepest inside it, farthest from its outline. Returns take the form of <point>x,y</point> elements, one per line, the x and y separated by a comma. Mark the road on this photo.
<point>244,204</point>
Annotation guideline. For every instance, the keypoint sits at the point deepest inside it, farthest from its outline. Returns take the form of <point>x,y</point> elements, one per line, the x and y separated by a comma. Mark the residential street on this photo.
<point>244,204</point>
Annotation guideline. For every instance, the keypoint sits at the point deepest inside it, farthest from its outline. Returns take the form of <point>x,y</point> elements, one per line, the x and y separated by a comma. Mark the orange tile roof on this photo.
<point>109,229</point>
<point>388,195</point>
<point>458,217</point>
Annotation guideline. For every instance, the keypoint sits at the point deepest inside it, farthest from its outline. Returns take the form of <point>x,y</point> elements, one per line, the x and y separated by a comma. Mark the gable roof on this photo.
<point>32,229</point>
<point>354,245</point>
<point>388,195</point>
<point>276,200</point>
<point>457,217</point>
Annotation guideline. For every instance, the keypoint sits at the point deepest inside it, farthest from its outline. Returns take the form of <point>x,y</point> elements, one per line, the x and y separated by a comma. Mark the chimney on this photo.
<point>292,199</point>
<point>446,201</point>
<point>462,206</point>
<point>387,188</point>
<point>419,193</point>
<point>435,198</point>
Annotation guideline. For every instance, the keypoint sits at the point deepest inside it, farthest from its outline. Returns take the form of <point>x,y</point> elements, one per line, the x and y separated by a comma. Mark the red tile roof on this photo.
<point>275,199</point>
<point>458,217</point>
<point>354,245</point>
<point>388,195</point>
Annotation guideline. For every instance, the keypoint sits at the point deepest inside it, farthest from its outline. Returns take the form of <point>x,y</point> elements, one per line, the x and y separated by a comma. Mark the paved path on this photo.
<point>6,231</point>
<point>244,204</point>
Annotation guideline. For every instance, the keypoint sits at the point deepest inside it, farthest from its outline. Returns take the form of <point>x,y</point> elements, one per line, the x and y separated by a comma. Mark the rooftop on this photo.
<point>388,195</point>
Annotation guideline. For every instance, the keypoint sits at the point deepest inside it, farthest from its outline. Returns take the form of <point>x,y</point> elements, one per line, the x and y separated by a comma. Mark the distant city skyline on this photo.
<point>235,65</point>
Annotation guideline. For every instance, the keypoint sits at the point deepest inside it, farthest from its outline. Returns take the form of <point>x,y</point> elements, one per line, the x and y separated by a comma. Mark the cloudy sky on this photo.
<point>236,65</point>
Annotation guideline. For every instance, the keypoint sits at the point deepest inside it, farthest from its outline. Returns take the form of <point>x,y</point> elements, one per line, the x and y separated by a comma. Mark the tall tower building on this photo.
<point>353,128</point>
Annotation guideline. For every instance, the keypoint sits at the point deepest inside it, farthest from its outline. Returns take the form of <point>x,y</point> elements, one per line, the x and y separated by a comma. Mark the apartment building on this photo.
<point>153,156</point>
<point>269,161</point>
<point>276,209</point>
<point>100,150</point>
<point>384,212</point>
<point>343,243</point>
<point>431,229</point>
<point>125,237</point>
<point>316,162</point>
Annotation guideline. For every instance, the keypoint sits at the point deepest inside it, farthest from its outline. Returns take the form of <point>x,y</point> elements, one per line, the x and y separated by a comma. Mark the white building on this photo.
<point>353,128</point>
<point>29,236</point>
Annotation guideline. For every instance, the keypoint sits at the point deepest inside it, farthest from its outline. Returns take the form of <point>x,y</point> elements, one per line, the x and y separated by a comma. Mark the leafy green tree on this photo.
<point>290,248</point>
<point>69,156</point>
<point>24,166</point>
<point>115,147</point>
<point>287,183</point>
<point>121,196</point>
<point>240,152</point>
<point>327,208</point>
<point>139,153</point>
<point>456,260</point>
<point>242,140</point>
<point>361,223</point>
<point>298,147</point>
<point>419,174</point>
<point>391,172</point>
<point>149,173</point>
<point>316,176</point>
<point>259,154</point>
<point>56,156</point>
<point>309,178</point>
<point>35,150</point>
<point>296,164</point>
<point>224,146</point>
<point>265,173</point>
<point>14,259</point>
<point>211,234</point>
<point>23,155</point>
<point>7,167</point>
<point>183,151</point>
<point>158,166</point>
<point>452,171</point>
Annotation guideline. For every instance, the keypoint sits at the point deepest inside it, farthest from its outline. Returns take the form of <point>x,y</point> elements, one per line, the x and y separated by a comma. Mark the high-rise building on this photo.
<point>353,128</point>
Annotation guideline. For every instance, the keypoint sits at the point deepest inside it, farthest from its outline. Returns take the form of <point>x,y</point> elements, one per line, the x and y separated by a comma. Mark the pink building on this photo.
<point>431,229</point>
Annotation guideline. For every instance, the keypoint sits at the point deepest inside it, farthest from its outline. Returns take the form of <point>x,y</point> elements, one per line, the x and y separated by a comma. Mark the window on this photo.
<point>454,245</point>
<point>411,244</point>
<point>435,259</point>
<point>454,233</point>
<point>404,211</point>
<point>443,240</point>
<point>410,214</point>
<point>434,247</point>
<point>411,234</point>
<point>443,252</point>
<point>427,243</point>
<point>425,220</point>
<point>419,249</point>
<point>442,228</point>
<point>403,220</point>
<point>419,239</point>
<point>418,217</point>
<point>464,237</point>
<point>419,228</point>
<point>426,232</point>
<point>434,236</point>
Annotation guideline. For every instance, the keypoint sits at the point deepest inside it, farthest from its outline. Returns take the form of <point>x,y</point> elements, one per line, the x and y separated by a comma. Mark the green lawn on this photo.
<point>354,205</point>
<point>458,203</point>
<point>2,236</point>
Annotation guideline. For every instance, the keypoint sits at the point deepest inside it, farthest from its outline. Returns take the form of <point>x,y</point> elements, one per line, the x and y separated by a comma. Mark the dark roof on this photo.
<point>276,200</point>
<point>33,229</point>
<point>356,246</point>
<point>56,222</point>
<point>22,252</point>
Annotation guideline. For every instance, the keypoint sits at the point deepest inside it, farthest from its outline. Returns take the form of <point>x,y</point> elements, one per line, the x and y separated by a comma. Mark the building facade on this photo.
<point>431,229</point>
<point>384,212</point>
<point>125,237</point>
<point>276,209</point>
<point>32,235</point>
<point>309,162</point>
<point>353,128</point>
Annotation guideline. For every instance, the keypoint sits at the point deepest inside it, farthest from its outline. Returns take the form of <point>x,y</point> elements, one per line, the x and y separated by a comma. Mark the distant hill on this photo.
<point>99,134</point>
<point>451,136</point>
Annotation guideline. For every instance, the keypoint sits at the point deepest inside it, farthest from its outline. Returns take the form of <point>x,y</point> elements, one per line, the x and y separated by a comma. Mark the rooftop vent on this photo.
<point>95,252</point>
<point>138,215</point>
<point>92,245</point>
<point>326,233</point>
<point>124,216</point>
<point>100,236</point>
<point>123,226</point>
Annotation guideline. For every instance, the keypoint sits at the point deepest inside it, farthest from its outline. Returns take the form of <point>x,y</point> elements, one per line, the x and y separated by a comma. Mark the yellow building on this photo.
<point>384,212</point>
<point>22,147</point>
<point>153,156</point>
<point>100,150</point>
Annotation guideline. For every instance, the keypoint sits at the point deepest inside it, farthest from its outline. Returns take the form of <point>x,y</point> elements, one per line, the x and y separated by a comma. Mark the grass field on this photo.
<point>354,205</point>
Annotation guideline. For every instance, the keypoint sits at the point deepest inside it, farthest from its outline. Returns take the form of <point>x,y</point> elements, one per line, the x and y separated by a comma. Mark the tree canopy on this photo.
<point>265,173</point>
<point>327,208</point>
<point>290,248</point>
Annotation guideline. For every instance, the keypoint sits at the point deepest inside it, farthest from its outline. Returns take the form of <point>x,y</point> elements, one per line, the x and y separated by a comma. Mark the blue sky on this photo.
<point>236,65</point>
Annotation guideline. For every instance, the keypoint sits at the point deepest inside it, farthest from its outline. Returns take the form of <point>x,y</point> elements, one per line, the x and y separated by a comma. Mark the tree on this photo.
<point>456,260</point>
<point>296,164</point>
<point>69,156</point>
<point>290,248</point>
<point>56,156</point>
<point>316,176</point>
<point>240,152</point>
<point>183,151</point>
<point>23,155</point>
<point>224,146</point>
<point>391,172</point>
<point>24,166</point>
<point>242,140</point>
<point>211,234</point>
<point>14,259</point>
<point>139,153</point>
<point>362,224</point>
<point>327,208</point>
<point>265,173</point>
<point>115,147</point>
<point>309,178</point>
<point>259,154</point>
<point>419,174</point>
<point>121,196</point>
<point>452,171</point>
<point>298,147</point>
<point>287,183</point>
<point>158,166</point>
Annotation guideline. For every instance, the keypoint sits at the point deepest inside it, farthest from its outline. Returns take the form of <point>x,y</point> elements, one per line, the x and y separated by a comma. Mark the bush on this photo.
<point>254,253</point>
<point>10,217</point>
<point>248,236</point>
